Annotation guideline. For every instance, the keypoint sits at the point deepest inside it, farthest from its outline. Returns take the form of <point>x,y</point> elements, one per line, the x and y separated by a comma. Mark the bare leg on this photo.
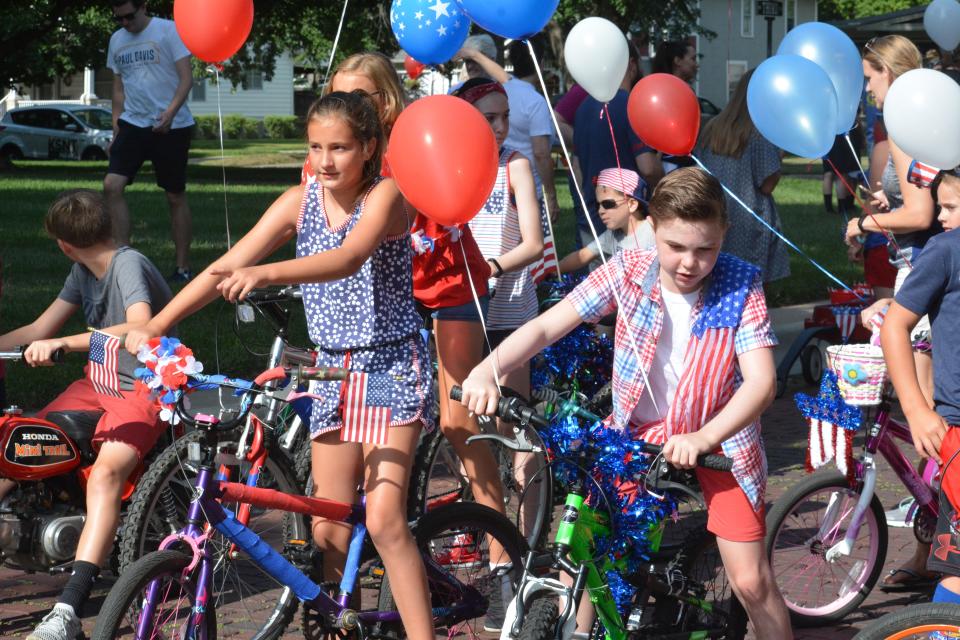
<point>525,465</point>
<point>113,187</point>
<point>114,464</point>
<point>181,222</point>
<point>336,475</point>
<point>459,350</point>
<point>752,580</point>
<point>387,476</point>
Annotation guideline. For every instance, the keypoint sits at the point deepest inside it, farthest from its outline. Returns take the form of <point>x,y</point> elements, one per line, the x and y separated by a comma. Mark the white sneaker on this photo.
<point>902,514</point>
<point>60,624</point>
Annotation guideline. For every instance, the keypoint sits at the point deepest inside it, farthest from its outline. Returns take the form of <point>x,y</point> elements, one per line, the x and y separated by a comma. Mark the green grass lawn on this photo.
<point>34,269</point>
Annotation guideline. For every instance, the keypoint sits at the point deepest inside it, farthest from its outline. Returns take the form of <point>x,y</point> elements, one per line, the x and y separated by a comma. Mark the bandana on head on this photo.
<point>627,182</point>
<point>475,93</point>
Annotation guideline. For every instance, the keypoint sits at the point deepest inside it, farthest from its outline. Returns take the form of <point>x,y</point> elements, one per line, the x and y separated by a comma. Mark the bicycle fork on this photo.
<point>834,508</point>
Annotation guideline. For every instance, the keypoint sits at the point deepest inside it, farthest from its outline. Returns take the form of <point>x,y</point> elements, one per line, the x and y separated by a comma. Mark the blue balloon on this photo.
<point>793,105</point>
<point>517,19</point>
<point>836,54</point>
<point>431,31</point>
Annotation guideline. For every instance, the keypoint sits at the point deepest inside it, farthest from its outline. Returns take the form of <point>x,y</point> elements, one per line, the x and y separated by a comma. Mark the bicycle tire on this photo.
<point>126,594</point>
<point>435,534</point>
<point>915,622</point>
<point>704,566</point>
<point>158,508</point>
<point>794,541</point>
<point>437,480</point>
<point>540,618</point>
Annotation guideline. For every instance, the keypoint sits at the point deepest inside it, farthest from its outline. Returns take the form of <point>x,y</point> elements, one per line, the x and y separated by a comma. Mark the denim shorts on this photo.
<point>466,311</point>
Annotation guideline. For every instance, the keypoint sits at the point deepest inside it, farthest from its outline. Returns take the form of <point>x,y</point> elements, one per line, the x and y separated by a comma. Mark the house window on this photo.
<point>746,18</point>
<point>254,80</point>
<point>199,91</point>
<point>735,70</point>
<point>789,14</point>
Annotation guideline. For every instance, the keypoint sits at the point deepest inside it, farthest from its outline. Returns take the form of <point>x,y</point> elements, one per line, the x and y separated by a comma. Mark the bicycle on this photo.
<point>686,597</point>
<point>171,592</point>
<point>827,538</point>
<point>935,621</point>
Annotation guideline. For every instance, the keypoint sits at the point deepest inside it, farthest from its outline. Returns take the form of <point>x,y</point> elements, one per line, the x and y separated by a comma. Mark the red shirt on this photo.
<point>439,274</point>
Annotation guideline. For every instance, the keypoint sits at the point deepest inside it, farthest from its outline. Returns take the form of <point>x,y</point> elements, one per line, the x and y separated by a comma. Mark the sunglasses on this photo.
<point>126,17</point>
<point>610,204</point>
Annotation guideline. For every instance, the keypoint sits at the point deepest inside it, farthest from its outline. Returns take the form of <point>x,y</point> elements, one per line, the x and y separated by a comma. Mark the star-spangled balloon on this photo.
<point>431,31</point>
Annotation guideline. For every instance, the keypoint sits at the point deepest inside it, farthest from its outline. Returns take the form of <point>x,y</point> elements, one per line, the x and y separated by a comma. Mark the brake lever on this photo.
<point>518,443</point>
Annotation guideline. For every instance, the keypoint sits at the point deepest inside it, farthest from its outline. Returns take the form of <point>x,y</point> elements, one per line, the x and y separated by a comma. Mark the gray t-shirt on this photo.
<point>130,278</point>
<point>612,241</point>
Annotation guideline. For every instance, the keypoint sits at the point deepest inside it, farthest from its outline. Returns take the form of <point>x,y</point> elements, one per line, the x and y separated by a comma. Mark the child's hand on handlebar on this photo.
<point>682,450</point>
<point>40,352</point>
<point>480,392</point>
<point>136,338</point>
<point>237,283</point>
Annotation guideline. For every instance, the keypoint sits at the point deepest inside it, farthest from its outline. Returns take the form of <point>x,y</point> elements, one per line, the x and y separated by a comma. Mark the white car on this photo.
<point>50,132</point>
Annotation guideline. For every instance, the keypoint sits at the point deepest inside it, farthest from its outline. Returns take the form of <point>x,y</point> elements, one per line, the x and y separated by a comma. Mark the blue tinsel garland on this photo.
<point>614,461</point>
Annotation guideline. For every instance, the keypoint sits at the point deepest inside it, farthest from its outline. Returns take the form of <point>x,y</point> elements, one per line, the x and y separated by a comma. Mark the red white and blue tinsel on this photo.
<point>583,357</point>
<point>615,466</point>
<point>832,423</point>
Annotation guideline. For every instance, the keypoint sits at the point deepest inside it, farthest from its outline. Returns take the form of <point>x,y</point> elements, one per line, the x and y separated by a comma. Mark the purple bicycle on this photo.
<point>827,537</point>
<point>172,593</point>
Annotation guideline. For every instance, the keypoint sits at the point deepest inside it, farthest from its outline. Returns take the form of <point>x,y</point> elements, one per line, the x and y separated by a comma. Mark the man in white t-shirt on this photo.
<point>151,82</point>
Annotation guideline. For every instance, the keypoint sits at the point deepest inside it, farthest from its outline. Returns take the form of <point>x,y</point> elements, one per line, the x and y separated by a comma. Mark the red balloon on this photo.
<point>414,68</point>
<point>213,30</point>
<point>665,113</point>
<point>443,155</point>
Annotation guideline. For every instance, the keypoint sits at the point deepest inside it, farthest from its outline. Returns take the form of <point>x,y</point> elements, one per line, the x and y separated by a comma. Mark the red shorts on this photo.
<point>944,552</point>
<point>131,419</point>
<point>877,268</point>
<point>729,514</point>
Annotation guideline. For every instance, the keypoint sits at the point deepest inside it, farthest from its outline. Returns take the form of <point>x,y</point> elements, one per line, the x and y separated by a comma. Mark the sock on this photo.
<point>942,594</point>
<point>828,202</point>
<point>79,585</point>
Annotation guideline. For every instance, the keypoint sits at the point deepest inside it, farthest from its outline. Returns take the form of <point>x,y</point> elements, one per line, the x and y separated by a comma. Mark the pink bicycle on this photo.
<point>827,537</point>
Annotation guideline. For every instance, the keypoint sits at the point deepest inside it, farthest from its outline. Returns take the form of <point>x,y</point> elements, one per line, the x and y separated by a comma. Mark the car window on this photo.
<point>46,119</point>
<point>95,118</point>
<point>26,118</point>
<point>60,119</point>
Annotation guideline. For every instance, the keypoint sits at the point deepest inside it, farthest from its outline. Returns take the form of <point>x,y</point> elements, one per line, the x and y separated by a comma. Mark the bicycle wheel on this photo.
<point>689,520</point>
<point>703,567</point>
<point>933,620</point>
<point>455,543</point>
<point>120,614</point>
<point>438,479</point>
<point>540,618</point>
<point>807,522</point>
<point>244,591</point>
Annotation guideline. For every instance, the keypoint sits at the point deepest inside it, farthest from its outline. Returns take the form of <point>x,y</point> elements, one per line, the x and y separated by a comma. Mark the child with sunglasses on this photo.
<point>621,198</point>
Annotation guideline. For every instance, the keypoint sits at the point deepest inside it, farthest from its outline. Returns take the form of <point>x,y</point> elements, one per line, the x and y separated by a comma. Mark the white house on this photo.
<point>260,98</point>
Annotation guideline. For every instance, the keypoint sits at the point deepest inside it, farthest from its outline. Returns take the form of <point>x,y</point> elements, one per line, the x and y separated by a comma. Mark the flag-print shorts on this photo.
<point>944,552</point>
<point>399,377</point>
<point>131,419</point>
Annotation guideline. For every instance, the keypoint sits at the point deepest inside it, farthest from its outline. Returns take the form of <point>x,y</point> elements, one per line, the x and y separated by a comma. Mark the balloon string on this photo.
<point>336,41</point>
<point>623,184</point>
<point>223,164</point>
<point>886,232</point>
<point>786,240</point>
<point>583,202</point>
<point>856,157</point>
<point>483,322</point>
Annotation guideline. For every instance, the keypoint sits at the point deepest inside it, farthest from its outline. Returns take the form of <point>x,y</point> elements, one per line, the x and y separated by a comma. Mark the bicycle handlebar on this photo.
<point>273,296</point>
<point>515,410</point>
<point>17,354</point>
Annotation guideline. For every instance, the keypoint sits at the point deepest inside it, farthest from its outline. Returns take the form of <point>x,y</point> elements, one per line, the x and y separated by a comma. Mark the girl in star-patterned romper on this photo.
<point>354,264</point>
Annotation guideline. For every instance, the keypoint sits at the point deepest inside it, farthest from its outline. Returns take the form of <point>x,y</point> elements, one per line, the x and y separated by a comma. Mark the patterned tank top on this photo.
<point>370,308</point>
<point>496,229</point>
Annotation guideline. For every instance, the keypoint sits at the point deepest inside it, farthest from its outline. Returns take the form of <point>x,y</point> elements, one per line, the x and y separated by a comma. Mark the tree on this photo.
<point>832,10</point>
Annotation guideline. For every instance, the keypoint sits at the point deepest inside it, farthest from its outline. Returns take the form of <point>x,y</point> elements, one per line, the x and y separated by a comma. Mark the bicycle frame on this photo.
<point>206,508</point>
<point>881,438</point>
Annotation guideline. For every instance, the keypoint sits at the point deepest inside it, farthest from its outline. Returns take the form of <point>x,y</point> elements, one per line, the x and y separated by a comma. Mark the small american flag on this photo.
<point>541,269</point>
<point>361,421</point>
<point>102,369</point>
<point>921,175</point>
<point>847,319</point>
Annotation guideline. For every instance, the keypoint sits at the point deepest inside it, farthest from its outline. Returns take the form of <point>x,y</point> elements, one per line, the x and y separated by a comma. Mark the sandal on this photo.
<point>913,582</point>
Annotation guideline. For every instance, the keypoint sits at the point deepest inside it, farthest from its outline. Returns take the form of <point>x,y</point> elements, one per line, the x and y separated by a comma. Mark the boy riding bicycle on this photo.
<point>693,367</point>
<point>116,288</point>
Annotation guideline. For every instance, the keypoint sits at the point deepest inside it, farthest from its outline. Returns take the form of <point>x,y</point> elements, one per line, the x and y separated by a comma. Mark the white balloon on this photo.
<point>596,56</point>
<point>922,116</point>
<point>941,19</point>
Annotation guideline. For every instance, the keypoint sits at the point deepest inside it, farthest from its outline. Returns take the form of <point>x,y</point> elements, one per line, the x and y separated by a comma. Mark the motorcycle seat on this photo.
<point>79,425</point>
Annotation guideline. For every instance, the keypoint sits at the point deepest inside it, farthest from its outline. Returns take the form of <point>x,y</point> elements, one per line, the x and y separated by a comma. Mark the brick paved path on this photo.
<point>24,598</point>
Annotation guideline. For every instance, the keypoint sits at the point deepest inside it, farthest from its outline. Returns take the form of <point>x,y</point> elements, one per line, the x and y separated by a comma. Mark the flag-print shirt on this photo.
<point>732,298</point>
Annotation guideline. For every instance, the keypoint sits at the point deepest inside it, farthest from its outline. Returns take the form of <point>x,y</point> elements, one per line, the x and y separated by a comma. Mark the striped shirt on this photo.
<point>496,228</point>
<point>730,318</point>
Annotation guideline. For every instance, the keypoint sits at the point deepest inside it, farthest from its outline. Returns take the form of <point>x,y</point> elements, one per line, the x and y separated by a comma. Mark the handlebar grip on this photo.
<point>322,373</point>
<point>456,393</point>
<point>57,356</point>
<point>511,409</point>
<point>707,461</point>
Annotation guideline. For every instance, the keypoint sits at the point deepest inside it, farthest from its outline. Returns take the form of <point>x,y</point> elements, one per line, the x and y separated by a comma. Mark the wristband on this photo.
<point>496,265</point>
<point>860,224</point>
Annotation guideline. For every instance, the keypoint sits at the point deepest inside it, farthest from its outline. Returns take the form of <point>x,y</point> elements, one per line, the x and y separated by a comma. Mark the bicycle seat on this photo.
<point>79,425</point>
